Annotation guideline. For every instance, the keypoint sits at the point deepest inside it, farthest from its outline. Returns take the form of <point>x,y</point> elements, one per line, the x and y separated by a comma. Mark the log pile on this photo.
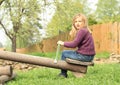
<point>6,74</point>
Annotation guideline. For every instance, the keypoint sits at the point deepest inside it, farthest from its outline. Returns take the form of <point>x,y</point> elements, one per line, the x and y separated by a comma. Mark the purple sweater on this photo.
<point>83,41</point>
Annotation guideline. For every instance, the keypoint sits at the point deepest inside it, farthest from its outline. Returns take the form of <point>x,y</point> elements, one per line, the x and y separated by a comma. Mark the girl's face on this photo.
<point>78,23</point>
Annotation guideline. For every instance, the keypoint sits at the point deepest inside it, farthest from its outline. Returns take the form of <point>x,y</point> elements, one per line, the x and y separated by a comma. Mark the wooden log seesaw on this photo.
<point>79,68</point>
<point>79,63</point>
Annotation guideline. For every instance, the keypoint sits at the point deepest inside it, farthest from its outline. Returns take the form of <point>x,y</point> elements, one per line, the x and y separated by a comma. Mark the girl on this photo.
<point>82,40</point>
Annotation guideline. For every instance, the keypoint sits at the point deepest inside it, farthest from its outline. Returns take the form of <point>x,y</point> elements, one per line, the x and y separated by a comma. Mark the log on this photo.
<point>6,70</point>
<point>41,61</point>
<point>77,62</point>
<point>5,78</point>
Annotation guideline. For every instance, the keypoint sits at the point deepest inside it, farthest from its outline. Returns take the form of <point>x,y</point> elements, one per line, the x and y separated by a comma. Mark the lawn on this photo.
<point>103,74</point>
<point>99,74</point>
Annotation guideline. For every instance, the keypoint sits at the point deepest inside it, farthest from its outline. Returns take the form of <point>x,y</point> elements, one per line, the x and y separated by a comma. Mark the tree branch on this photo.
<point>5,30</point>
<point>1,2</point>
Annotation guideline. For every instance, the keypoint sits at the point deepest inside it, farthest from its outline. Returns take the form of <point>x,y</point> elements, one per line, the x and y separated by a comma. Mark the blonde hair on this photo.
<point>74,30</point>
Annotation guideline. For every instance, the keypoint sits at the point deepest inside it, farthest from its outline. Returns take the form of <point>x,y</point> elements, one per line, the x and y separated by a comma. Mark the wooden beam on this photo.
<point>77,62</point>
<point>41,61</point>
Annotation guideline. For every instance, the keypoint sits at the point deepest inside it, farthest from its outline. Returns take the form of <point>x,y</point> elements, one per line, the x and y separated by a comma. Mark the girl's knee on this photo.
<point>64,52</point>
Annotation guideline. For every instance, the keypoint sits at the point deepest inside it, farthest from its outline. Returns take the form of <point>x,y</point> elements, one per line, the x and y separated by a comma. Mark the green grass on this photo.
<point>103,74</point>
<point>49,54</point>
<point>102,55</point>
<point>100,74</point>
<point>53,54</point>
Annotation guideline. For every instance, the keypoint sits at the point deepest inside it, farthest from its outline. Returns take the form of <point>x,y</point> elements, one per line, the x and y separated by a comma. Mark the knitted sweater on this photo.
<point>83,41</point>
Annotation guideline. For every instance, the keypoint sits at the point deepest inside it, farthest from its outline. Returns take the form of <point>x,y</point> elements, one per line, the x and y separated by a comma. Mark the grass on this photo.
<point>103,74</point>
<point>103,55</point>
<point>50,54</point>
<point>100,74</point>
<point>53,54</point>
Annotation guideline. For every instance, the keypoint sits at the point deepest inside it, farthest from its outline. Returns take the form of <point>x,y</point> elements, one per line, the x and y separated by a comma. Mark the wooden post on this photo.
<point>41,61</point>
<point>5,78</point>
<point>6,70</point>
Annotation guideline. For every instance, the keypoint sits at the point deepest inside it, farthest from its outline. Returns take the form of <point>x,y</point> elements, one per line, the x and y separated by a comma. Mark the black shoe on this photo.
<point>62,75</point>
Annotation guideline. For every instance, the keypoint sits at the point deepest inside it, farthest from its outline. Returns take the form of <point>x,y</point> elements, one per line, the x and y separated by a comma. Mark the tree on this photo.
<point>108,11</point>
<point>20,19</point>
<point>1,1</point>
<point>64,12</point>
<point>92,20</point>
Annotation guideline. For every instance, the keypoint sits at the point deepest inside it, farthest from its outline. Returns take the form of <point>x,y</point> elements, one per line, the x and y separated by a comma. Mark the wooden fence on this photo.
<point>106,38</point>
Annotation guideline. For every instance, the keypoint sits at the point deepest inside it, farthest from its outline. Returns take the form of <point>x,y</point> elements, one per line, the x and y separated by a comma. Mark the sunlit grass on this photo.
<point>49,54</point>
<point>102,55</point>
<point>53,54</point>
<point>103,74</point>
<point>99,74</point>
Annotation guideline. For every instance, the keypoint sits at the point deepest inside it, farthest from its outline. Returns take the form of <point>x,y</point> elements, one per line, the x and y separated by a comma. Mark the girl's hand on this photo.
<point>60,42</point>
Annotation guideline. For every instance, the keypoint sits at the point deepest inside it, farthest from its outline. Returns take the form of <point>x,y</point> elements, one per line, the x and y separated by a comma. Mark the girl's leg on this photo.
<point>69,54</point>
<point>76,56</point>
<point>65,54</point>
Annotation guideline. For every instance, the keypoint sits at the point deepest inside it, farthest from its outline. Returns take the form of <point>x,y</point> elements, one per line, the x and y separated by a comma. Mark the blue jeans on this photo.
<point>76,56</point>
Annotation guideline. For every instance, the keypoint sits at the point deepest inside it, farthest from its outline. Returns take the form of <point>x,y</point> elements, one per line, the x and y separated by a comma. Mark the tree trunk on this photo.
<point>14,44</point>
